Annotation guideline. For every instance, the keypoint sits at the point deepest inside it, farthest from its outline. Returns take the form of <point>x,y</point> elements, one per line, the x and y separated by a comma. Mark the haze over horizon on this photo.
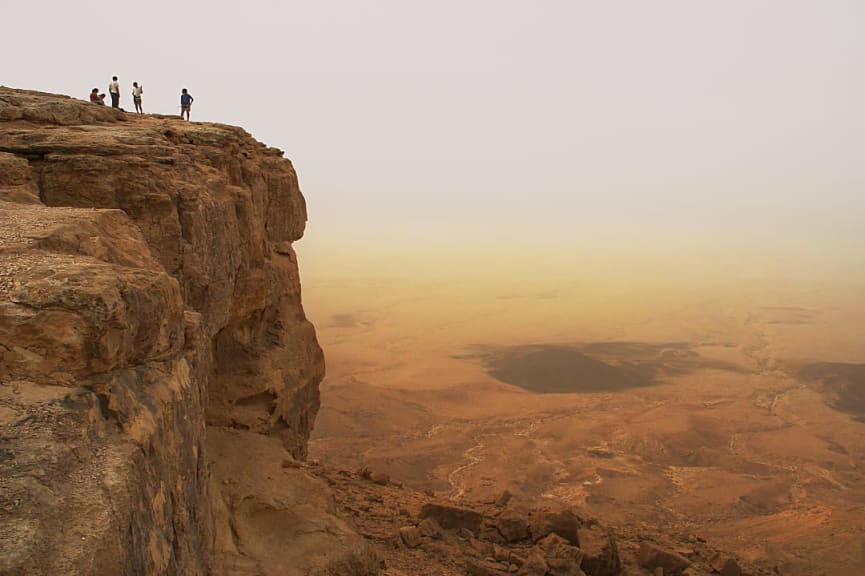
<point>731,132</point>
<point>603,253</point>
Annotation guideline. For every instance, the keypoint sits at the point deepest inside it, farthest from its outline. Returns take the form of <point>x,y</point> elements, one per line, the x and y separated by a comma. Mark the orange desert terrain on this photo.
<point>723,404</point>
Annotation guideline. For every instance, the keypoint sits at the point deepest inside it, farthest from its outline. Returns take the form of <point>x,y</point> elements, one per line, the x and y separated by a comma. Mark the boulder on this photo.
<point>501,554</point>
<point>600,552</point>
<point>430,528</point>
<point>726,566</point>
<point>282,518</point>
<point>653,556</point>
<point>512,525</point>
<point>380,478</point>
<point>535,565</point>
<point>410,536</point>
<point>452,517</point>
<point>562,521</point>
<point>562,558</point>
<point>490,533</point>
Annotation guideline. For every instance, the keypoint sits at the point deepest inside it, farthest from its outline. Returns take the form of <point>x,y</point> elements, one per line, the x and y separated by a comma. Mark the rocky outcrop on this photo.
<point>101,401</point>
<point>417,535</point>
<point>148,289</point>
<point>159,379</point>
<point>653,556</point>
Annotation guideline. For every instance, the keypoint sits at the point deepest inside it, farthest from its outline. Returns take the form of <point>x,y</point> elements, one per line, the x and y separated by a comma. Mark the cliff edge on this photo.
<point>158,376</point>
<point>159,380</point>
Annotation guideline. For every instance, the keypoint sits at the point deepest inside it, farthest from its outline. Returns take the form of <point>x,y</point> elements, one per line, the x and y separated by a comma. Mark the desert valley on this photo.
<point>662,403</point>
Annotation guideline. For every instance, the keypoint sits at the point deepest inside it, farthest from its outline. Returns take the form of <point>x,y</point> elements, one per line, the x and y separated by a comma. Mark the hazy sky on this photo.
<point>504,124</point>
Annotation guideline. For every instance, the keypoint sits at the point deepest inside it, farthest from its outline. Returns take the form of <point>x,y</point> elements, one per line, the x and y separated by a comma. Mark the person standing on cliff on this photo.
<point>137,91</point>
<point>186,100</point>
<point>114,90</point>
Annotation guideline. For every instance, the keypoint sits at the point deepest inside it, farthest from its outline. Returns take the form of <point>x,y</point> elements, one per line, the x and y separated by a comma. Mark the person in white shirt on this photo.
<point>137,91</point>
<point>114,90</point>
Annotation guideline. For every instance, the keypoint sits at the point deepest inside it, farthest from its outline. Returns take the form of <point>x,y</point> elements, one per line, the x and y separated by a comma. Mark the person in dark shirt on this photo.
<point>186,100</point>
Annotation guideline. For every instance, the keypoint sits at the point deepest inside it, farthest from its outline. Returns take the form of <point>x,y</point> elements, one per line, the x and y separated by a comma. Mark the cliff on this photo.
<point>159,380</point>
<point>158,376</point>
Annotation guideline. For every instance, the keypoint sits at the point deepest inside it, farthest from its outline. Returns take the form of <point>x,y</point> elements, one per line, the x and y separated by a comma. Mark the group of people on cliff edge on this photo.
<point>186,98</point>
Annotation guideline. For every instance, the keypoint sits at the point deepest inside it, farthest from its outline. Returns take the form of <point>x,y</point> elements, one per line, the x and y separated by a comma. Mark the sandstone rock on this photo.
<point>157,289</point>
<point>410,536</point>
<point>51,109</point>
<point>600,552</point>
<point>430,528</point>
<point>516,558</point>
<point>563,567</point>
<point>653,556</point>
<point>452,517</point>
<point>535,565</point>
<point>562,558</point>
<point>503,499</point>
<point>512,525</point>
<point>283,518</point>
<point>16,180</point>
<point>380,478</point>
<point>562,521</point>
<point>213,218</point>
<point>93,345</point>
<point>483,568</point>
<point>438,548</point>
<point>481,547</point>
<point>490,533</point>
<point>726,565</point>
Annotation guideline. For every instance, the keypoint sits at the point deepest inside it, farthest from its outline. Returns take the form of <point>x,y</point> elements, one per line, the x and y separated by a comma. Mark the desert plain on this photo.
<point>709,398</point>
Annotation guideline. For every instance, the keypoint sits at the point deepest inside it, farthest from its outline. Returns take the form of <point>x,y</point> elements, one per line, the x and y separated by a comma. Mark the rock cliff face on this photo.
<point>148,290</point>
<point>159,380</point>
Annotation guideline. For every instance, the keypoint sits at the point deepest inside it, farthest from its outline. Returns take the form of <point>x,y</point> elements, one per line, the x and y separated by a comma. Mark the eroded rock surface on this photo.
<point>148,289</point>
<point>394,518</point>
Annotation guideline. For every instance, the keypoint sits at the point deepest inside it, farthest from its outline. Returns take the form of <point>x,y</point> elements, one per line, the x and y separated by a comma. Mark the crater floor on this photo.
<point>728,415</point>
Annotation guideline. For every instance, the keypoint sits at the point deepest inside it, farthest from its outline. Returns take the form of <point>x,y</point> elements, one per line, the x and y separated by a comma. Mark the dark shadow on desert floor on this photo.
<point>593,367</point>
<point>842,384</point>
<point>343,321</point>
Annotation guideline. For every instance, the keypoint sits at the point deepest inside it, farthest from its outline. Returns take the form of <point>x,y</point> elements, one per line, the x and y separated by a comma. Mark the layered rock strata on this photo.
<point>148,289</point>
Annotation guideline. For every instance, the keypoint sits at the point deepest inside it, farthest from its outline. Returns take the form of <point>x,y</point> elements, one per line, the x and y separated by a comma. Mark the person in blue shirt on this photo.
<point>186,100</point>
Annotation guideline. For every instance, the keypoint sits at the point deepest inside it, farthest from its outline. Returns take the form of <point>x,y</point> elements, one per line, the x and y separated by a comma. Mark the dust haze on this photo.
<point>721,399</point>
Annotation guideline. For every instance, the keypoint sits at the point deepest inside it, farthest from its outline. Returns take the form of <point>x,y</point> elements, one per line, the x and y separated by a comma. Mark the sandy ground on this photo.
<point>722,411</point>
